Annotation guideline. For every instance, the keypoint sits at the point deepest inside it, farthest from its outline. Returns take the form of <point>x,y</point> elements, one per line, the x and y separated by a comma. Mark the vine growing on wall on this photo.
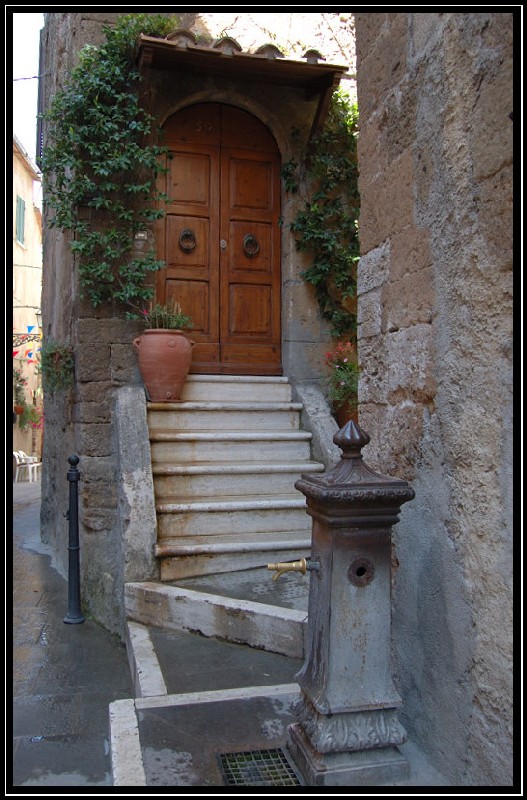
<point>100,166</point>
<point>327,225</point>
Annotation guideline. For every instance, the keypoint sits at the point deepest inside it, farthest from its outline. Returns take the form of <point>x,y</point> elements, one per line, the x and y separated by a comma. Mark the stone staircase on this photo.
<point>225,460</point>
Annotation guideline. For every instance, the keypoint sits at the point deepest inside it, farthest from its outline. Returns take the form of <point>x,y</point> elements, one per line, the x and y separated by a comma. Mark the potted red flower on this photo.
<point>343,382</point>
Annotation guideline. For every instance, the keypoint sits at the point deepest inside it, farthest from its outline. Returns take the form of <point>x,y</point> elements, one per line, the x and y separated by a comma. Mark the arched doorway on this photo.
<point>220,238</point>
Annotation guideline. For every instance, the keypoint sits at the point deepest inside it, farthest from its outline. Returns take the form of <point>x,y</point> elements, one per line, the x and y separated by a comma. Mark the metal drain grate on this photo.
<point>257,768</point>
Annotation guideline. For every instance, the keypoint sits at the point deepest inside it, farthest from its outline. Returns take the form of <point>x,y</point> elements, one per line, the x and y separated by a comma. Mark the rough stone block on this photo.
<point>369,316</point>
<point>410,252</point>
<point>424,31</point>
<point>387,203</point>
<point>124,367</point>
<point>383,62</point>
<point>373,269</point>
<point>398,366</point>
<point>409,357</point>
<point>92,362</point>
<point>95,439</point>
<point>97,519</point>
<point>136,488</point>
<point>108,331</point>
<point>492,127</point>
<point>418,307</point>
<point>94,392</point>
<point>92,412</point>
<point>97,494</point>
<point>495,219</point>
<point>373,158</point>
<point>396,433</point>
<point>316,417</point>
<point>397,120</point>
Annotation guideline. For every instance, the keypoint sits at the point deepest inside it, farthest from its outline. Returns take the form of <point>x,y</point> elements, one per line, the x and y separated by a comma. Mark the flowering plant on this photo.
<point>168,316</point>
<point>344,374</point>
<point>31,417</point>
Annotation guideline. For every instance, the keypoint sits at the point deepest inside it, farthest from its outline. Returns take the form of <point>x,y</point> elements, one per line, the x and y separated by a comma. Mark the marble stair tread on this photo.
<point>223,405</point>
<point>169,435</point>
<point>210,543</point>
<point>235,468</point>
<point>175,503</point>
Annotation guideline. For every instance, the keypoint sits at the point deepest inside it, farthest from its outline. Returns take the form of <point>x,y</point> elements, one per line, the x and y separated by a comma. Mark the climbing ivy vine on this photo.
<point>100,167</point>
<point>326,226</point>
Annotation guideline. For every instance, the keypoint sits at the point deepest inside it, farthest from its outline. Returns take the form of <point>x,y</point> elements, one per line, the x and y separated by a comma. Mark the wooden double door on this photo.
<point>220,237</point>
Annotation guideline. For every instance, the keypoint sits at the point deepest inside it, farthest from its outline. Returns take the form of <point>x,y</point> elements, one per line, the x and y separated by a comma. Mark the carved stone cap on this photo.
<point>352,490</point>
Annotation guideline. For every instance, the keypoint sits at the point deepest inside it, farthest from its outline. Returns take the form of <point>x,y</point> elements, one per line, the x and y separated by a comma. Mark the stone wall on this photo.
<point>435,345</point>
<point>84,420</point>
<point>117,523</point>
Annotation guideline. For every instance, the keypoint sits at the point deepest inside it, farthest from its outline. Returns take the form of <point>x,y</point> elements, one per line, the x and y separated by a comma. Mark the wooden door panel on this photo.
<point>194,297</point>
<point>250,248</point>
<point>189,179</point>
<point>249,311</point>
<point>250,359</point>
<point>251,187</point>
<point>188,244</point>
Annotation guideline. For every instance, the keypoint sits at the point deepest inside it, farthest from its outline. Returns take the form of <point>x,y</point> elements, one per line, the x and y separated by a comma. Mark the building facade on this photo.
<point>27,289</point>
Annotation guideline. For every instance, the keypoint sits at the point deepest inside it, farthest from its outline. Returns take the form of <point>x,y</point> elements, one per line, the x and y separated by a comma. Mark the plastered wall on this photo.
<point>435,344</point>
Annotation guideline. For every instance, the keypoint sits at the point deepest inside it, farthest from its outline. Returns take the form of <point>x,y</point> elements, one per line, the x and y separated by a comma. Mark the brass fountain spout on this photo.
<point>293,566</point>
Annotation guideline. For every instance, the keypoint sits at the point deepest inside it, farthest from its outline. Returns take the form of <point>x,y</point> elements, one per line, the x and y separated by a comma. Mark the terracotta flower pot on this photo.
<point>346,412</point>
<point>164,361</point>
<point>19,409</point>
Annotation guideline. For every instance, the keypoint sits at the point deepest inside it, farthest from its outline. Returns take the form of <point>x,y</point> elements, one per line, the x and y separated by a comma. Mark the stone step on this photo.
<point>168,446</point>
<point>235,388</point>
<point>215,554</point>
<point>215,479</point>
<point>216,416</point>
<point>230,543</point>
<point>240,516</point>
<point>259,625</point>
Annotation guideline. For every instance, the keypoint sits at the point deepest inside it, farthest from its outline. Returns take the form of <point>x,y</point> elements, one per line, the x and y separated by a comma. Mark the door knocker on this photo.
<point>187,240</point>
<point>251,248</point>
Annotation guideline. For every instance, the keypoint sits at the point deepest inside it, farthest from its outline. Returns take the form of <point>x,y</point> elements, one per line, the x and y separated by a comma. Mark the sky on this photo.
<point>26,30</point>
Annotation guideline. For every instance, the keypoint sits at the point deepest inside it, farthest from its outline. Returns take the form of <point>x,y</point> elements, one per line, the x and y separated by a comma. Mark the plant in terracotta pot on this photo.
<point>164,351</point>
<point>343,382</point>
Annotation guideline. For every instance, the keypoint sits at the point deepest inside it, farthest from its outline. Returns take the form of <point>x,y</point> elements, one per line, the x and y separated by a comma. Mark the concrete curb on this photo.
<point>144,665</point>
<point>125,745</point>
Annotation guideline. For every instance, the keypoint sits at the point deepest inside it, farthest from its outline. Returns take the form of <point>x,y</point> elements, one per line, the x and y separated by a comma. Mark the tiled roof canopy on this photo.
<point>226,58</point>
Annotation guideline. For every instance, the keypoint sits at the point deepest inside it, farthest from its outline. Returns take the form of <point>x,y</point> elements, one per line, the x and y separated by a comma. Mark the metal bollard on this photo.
<point>74,615</point>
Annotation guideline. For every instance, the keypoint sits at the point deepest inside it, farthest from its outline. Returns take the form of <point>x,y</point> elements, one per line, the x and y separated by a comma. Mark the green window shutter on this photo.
<point>20,219</point>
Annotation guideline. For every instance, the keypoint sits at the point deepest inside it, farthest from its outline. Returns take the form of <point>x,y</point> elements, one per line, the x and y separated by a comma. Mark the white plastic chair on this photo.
<point>26,464</point>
